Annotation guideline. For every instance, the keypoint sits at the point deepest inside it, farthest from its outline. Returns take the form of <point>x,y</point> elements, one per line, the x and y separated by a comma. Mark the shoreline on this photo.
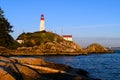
<point>49,54</point>
<point>39,69</point>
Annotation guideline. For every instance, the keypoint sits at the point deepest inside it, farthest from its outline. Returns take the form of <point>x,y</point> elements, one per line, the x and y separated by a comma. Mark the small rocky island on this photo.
<point>48,43</point>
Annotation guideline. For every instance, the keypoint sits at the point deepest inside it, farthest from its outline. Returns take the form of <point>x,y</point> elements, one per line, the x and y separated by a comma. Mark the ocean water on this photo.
<point>104,66</point>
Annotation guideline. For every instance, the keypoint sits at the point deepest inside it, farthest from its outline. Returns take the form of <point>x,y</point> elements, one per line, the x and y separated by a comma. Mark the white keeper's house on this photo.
<point>67,37</point>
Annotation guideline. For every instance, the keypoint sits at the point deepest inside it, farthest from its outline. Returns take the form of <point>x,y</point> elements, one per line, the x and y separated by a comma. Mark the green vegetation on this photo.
<point>4,24</point>
<point>5,28</point>
<point>38,38</point>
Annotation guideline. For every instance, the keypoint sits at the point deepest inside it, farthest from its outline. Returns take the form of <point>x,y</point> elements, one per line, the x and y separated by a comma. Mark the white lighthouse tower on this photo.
<point>42,26</point>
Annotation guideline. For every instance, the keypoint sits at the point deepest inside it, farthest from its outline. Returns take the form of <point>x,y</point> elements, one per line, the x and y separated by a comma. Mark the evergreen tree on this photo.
<point>5,28</point>
<point>4,24</point>
<point>1,13</point>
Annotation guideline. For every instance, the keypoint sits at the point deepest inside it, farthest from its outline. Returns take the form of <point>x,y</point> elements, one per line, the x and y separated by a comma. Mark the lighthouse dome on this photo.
<point>42,15</point>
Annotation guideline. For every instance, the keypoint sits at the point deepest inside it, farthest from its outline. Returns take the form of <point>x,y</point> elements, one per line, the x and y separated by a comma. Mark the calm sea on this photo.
<point>104,66</point>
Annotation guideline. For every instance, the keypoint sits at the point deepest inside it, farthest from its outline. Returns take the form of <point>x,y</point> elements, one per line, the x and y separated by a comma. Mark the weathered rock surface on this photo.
<point>64,47</point>
<point>37,69</point>
<point>55,49</point>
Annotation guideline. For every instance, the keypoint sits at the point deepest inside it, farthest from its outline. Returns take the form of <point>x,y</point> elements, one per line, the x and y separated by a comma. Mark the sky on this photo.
<point>98,20</point>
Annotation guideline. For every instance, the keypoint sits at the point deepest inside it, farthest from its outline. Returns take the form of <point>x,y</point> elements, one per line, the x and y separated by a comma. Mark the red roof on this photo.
<point>66,35</point>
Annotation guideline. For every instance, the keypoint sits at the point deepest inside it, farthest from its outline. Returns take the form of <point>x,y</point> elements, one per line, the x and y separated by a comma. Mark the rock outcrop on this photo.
<point>51,48</point>
<point>44,43</point>
<point>96,48</point>
<point>37,69</point>
<point>48,42</point>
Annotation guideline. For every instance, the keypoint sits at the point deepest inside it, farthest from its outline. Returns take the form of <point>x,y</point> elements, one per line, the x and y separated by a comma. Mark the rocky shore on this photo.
<point>48,43</point>
<point>51,49</point>
<point>37,69</point>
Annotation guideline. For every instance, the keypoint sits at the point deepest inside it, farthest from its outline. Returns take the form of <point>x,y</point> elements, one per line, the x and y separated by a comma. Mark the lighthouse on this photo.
<point>42,21</point>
